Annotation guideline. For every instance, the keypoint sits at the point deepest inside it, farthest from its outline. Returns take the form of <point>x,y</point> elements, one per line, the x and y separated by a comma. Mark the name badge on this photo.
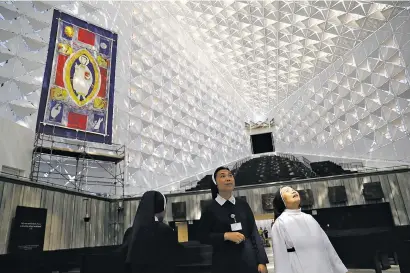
<point>236,227</point>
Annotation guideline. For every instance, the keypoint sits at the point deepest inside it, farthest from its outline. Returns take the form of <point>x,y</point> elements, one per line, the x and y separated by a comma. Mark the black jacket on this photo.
<point>229,257</point>
<point>156,252</point>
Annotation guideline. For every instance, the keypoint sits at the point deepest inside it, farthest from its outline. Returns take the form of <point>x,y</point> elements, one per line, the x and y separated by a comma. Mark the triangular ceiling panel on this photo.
<point>294,34</point>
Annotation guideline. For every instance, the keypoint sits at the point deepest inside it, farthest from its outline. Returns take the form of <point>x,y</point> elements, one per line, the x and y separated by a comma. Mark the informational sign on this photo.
<point>28,230</point>
<point>78,87</point>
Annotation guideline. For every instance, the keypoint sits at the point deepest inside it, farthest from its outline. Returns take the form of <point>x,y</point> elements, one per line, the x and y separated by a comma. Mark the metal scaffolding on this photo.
<point>78,164</point>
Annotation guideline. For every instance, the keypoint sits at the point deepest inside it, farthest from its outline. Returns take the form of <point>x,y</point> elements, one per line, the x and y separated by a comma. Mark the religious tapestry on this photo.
<point>78,87</point>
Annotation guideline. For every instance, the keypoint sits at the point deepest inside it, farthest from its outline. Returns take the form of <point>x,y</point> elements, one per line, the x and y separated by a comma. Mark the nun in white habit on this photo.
<point>299,243</point>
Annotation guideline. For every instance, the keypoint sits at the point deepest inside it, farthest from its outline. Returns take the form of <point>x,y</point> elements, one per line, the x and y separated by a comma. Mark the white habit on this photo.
<point>313,251</point>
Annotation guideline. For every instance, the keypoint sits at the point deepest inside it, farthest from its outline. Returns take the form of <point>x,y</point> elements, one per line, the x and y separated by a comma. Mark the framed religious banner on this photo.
<point>77,96</point>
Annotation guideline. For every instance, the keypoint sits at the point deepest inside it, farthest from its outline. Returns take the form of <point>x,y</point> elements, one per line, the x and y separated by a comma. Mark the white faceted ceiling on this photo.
<point>270,49</point>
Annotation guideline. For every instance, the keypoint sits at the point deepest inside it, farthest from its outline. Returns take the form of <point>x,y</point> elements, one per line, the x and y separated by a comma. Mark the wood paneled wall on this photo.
<point>395,185</point>
<point>65,227</point>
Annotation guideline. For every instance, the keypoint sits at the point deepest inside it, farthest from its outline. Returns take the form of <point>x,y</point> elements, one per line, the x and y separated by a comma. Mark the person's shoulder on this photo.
<point>241,202</point>
<point>282,219</point>
<point>164,228</point>
<point>308,216</point>
<point>163,225</point>
<point>209,209</point>
<point>277,224</point>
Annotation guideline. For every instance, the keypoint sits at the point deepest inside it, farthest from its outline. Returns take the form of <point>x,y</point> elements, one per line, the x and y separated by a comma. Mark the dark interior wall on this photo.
<point>354,217</point>
<point>359,233</point>
<point>262,143</point>
<point>192,230</point>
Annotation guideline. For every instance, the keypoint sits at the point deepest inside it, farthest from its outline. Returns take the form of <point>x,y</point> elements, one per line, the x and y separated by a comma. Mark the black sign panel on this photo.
<point>267,201</point>
<point>373,191</point>
<point>179,210</point>
<point>337,194</point>
<point>306,198</point>
<point>28,230</point>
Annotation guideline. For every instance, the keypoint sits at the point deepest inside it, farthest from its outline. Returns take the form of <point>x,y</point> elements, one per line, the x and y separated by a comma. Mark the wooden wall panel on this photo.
<point>102,213</point>
<point>404,188</point>
<point>9,215</point>
<point>78,232</point>
<point>47,201</point>
<point>385,183</point>
<point>65,227</point>
<point>56,221</point>
<point>134,207</point>
<point>197,209</point>
<point>1,192</point>
<point>5,215</point>
<point>397,198</point>
<point>395,187</point>
<point>106,223</point>
<point>127,215</point>
<point>319,190</point>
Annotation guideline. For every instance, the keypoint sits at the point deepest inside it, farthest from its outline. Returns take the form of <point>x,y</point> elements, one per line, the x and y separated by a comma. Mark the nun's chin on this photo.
<point>230,187</point>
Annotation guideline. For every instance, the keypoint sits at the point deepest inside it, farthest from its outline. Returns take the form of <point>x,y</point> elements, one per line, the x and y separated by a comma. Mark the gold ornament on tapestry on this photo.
<point>102,62</point>
<point>64,49</point>
<point>100,103</point>
<point>69,31</point>
<point>57,93</point>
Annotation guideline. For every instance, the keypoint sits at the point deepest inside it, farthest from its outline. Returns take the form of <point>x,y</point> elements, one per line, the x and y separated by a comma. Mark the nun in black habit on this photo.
<point>152,245</point>
<point>228,224</point>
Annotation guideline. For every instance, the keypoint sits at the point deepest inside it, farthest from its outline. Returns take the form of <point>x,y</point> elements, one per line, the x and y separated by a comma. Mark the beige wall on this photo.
<point>182,231</point>
<point>16,146</point>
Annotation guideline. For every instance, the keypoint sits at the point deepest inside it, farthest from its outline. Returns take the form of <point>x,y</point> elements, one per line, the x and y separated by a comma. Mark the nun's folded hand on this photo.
<point>235,237</point>
<point>262,268</point>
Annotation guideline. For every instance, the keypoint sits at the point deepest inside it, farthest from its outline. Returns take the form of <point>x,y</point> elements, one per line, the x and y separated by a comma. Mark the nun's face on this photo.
<point>290,197</point>
<point>160,216</point>
<point>225,181</point>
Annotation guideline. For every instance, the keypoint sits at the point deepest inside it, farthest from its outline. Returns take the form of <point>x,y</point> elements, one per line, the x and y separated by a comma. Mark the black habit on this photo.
<point>157,253</point>
<point>152,246</point>
<point>229,257</point>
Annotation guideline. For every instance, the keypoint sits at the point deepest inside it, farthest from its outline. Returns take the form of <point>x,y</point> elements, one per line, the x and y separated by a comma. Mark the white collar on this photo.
<point>222,200</point>
<point>293,211</point>
<point>156,219</point>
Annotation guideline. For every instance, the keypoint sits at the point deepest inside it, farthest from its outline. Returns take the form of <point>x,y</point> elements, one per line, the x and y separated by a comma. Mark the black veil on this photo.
<point>152,202</point>
<point>278,204</point>
<point>214,188</point>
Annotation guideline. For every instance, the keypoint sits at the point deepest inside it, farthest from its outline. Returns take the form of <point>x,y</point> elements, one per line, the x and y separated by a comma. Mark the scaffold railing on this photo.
<point>79,164</point>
